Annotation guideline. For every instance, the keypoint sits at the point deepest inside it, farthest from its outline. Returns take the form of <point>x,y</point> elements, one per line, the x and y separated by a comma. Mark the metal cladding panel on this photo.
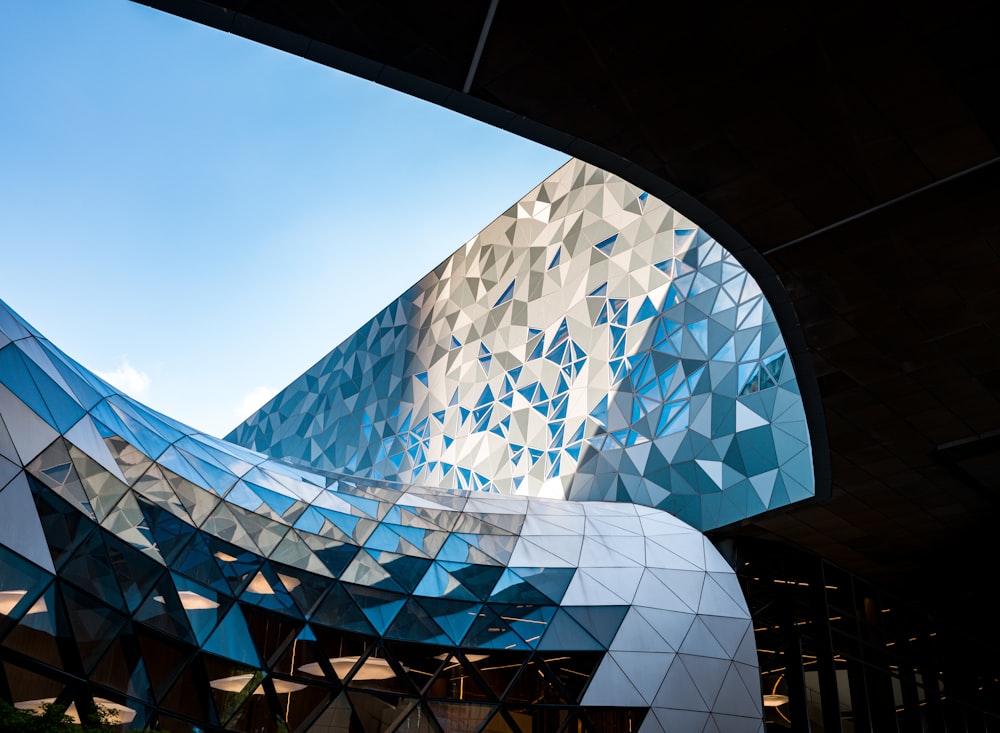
<point>591,344</point>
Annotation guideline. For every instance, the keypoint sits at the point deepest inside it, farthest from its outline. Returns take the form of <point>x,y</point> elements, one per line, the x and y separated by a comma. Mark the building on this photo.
<point>588,360</point>
<point>846,157</point>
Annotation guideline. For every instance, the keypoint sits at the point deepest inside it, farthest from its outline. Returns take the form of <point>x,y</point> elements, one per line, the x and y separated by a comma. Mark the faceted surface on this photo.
<point>590,344</point>
<point>181,580</point>
<point>402,556</point>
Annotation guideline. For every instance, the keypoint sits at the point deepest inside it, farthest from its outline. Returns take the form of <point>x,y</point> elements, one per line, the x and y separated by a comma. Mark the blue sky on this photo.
<point>201,217</point>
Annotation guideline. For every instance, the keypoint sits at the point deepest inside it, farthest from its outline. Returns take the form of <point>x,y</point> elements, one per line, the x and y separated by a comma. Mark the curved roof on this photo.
<point>454,569</point>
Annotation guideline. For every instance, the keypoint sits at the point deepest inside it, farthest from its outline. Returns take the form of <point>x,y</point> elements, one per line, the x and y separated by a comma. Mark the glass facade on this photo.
<point>587,362</point>
<point>184,582</point>
<point>838,655</point>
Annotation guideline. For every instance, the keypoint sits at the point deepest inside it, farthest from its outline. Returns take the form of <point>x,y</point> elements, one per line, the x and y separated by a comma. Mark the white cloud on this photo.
<point>253,401</point>
<point>128,379</point>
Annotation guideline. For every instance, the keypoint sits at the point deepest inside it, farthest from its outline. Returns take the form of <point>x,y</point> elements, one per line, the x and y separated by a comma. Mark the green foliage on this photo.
<point>53,719</point>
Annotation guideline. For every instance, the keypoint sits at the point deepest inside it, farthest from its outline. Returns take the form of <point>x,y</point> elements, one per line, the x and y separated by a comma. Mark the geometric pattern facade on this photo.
<point>589,344</point>
<point>182,581</point>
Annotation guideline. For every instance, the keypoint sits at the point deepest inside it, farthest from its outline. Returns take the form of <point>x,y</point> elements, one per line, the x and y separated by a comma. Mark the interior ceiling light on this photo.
<point>236,683</point>
<point>470,657</point>
<point>260,586</point>
<point>774,700</point>
<point>191,601</point>
<point>117,714</point>
<point>10,598</point>
<point>373,668</point>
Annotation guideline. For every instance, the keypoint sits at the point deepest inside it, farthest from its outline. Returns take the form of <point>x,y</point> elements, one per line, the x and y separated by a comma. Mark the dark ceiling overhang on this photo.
<point>847,153</point>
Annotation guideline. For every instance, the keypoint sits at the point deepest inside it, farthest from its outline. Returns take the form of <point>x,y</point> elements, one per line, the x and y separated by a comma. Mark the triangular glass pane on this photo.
<point>552,582</point>
<point>601,622</point>
<point>419,662</point>
<point>21,582</point>
<point>167,531</point>
<point>512,588</point>
<point>267,590</point>
<point>272,632</point>
<point>334,555</point>
<point>527,620</point>
<point>163,610</point>
<point>103,489</point>
<point>498,669</point>
<point>90,568</point>
<point>499,724</point>
<point>232,639</point>
<point>203,605</point>
<point>459,718</point>
<point>339,611</point>
<point>298,702</point>
<point>238,566</point>
<point>574,671</point>
<point>54,469</point>
<point>64,526</point>
<point>420,720</point>
<point>230,684</point>
<point>336,718</point>
<point>122,668</point>
<point>164,658</point>
<point>25,537</point>
<point>565,633</point>
<point>188,695</point>
<point>376,713</point>
<point>489,631</point>
<point>413,623</point>
<point>380,607</point>
<point>478,579</point>
<point>453,617</point>
<point>27,685</point>
<point>136,573</point>
<point>93,626</point>
<point>43,623</point>
<point>304,657</point>
<point>195,561</point>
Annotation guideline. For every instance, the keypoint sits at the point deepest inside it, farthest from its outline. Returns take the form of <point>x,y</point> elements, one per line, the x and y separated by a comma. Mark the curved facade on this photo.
<point>588,361</point>
<point>185,582</point>
<point>592,343</point>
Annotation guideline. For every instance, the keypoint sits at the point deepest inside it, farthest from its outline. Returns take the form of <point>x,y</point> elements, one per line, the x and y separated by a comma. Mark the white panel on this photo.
<point>584,590</point>
<point>654,594</point>
<point>701,642</point>
<point>30,434</point>
<point>85,437</point>
<point>673,626</point>
<point>636,634</point>
<point>686,584</point>
<point>644,669</point>
<point>659,555</point>
<point>715,602</point>
<point>623,582</point>
<point>618,552</point>
<point>22,529</point>
<point>707,673</point>
<point>735,699</point>
<point>527,554</point>
<point>610,686</point>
